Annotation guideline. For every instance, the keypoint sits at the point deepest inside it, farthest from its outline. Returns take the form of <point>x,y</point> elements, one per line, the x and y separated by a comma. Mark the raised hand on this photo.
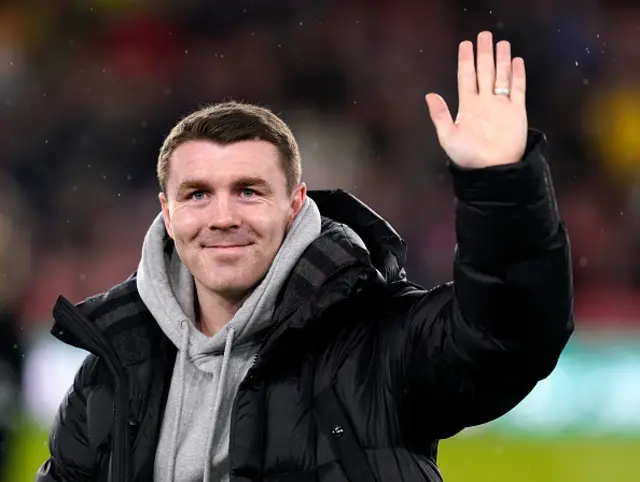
<point>491,126</point>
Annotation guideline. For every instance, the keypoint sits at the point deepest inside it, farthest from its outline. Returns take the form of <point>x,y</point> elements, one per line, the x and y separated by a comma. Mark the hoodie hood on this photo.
<point>167,288</point>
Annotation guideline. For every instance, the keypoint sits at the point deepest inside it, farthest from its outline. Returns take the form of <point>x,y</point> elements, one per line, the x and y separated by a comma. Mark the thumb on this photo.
<point>440,115</point>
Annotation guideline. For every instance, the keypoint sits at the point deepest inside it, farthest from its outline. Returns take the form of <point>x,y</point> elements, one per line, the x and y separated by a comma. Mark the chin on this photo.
<point>233,286</point>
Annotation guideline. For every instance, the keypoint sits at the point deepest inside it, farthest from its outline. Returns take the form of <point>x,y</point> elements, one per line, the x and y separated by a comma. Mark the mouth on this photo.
<point>227,247</point>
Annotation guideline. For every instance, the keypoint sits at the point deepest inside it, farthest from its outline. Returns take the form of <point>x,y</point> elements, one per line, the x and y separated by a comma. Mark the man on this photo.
<point>272,336</point>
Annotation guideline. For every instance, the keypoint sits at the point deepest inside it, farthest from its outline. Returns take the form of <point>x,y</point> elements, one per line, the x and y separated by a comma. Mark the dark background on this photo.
<point>89,89</point>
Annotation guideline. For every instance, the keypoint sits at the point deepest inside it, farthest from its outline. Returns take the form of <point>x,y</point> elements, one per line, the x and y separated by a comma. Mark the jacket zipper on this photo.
<point>93,340</point>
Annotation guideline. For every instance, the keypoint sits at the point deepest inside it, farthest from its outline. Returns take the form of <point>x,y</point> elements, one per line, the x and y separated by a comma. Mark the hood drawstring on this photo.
<point>173,449</point>
<point>217,404</point>
<point>214,411</point>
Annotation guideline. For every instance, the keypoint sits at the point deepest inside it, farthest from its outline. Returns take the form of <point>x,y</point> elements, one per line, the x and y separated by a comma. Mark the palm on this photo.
<point>489,129</point>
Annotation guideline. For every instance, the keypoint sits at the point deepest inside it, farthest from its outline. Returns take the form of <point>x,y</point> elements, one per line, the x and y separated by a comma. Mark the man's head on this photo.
<point>230,179</point>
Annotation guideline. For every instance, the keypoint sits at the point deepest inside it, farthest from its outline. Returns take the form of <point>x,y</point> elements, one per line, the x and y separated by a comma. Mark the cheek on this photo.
<point>272,230</point>
<point>185,226</point>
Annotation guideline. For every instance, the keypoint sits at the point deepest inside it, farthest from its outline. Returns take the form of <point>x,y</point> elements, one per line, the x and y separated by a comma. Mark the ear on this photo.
<point>298,197</point>
<point>166,213</point>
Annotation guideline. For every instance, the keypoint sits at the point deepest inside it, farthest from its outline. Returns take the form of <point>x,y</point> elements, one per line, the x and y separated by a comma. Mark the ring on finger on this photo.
<point>502,91</point>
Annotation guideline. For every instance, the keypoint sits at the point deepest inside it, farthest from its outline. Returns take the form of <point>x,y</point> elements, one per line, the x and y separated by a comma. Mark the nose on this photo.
<point>223,213</point>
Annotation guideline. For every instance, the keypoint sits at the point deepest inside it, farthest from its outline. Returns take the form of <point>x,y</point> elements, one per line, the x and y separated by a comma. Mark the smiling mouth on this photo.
<point>227,246</point>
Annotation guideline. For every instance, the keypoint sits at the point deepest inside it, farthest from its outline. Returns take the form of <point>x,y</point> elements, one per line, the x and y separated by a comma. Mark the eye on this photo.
<point>197,195</point>
<point>246,192</point>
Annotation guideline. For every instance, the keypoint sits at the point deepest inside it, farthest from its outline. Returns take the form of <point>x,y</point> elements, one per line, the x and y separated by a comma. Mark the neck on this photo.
<point>213,310</point>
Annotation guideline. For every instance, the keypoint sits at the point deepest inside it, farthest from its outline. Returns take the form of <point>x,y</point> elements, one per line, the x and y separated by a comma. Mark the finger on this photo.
<point>486,66</point>
<point>503,65</point>
<point>467,80</point>
<point>518,81</point>
<point>440,115</point>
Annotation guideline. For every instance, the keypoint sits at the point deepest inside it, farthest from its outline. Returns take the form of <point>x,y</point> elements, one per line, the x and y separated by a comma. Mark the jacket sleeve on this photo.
<point>473,349</point>
<point>72,458</point>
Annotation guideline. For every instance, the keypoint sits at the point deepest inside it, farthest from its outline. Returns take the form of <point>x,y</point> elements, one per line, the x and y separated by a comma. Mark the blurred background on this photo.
<point>89,88</point>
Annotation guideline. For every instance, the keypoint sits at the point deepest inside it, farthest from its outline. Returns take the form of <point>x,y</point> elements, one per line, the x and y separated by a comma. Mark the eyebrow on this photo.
<point>249,181</point>
<point>190,184</point>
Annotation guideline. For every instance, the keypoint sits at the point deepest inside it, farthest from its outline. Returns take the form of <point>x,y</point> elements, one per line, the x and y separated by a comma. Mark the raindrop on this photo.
<point>585,81</point>
<point>621,213</point>
<point>187,51</point>
<point>89,165</point>
<point>577,63</point>
<point>490,12</point>
<point>82,277</point>
<point>587,49</point>
<point>46,141</point>
<point>301,24</point>
<point>279,46</point>
<point>583,262</point>
<point>421,50</point>
<point>500,25</point>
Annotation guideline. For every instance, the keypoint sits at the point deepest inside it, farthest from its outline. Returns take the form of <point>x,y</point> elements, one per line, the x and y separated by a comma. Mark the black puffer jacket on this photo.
<point>362,372</point>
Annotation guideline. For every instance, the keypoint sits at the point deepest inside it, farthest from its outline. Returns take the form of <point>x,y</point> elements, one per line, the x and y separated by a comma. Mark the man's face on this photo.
<point>228,209</point>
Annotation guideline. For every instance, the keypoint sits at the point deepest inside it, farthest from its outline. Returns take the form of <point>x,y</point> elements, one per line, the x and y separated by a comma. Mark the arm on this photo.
<point>72,458</point>
<point>477,347</point>
<point>474,349</point>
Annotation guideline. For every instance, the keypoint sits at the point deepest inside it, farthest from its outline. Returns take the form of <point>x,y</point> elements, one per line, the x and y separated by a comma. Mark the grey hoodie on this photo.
<point>194,437</point>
